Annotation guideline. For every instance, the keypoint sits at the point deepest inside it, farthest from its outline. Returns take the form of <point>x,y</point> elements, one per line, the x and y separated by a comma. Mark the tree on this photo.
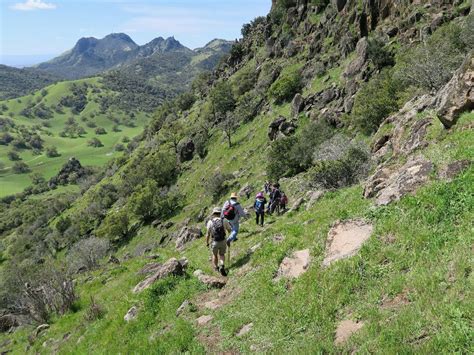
<point>115,225</point>
<point>222,99</point>
<point>13,156</point>
<point>201,84</point>
<point>100,131</point>
<point>228,125</point>
<point>95,142</point>
<point>37,178</point>
<point>20,168</point>
<point>52,152</point>
<point>172,133</point>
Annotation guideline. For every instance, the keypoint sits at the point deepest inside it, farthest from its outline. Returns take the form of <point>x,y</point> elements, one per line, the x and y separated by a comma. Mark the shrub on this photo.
<point>95,142</point>
<point>94,312</point>
<point>52,152</point>
<point>5,138</point>
<point>115,226</point>
<point>87,253</point>
<point>345,171</point>
<point>185,101</point>
<point>245,80</point>
<point>378,53</point>
<point>222,99</point>
<point>286,86</point>
<point>218,184</point>
<point>292,155</point>
<point>119,147</point>
<point>91,124</point>
<point>37,291</point>
<point>13,156</point>
<point>375,101</point>
<point>20,168</point>
<point>100,131</point>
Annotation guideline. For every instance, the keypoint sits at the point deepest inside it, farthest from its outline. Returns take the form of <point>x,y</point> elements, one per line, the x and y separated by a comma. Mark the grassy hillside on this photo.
<point>49,130</point>
<point>336,117</point>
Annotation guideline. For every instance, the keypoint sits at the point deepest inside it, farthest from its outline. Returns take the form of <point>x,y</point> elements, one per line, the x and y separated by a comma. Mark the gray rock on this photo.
<point>186,235</point>
<point>210,281</point>
<point>131,314</point>
<point>457,96</point>
<point>355,67</point>
<point>297,105</point>
<point>296,206</point>
<point>41,328</point>
<point>182,308</point>
<point>453,169</point>
<point>171,267</point>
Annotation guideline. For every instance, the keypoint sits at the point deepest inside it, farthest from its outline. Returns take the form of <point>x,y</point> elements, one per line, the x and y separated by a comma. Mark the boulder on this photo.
<point>131,314</point>
<point>171,267</point>
<point>113,260</point>
<point>246,190</point>
<point>187,234</point>
<point>313,197</point>
<point>7,321</point>
<point>388,186</point>
<point>457,96</point>
<point>186,150</point>
<point>297,105</point>
<point>296,206</point>
<point>358,63</point>
<point>280,127</point>
<point>150,268</point>
<point>245,329</point>
<point>210,281</point>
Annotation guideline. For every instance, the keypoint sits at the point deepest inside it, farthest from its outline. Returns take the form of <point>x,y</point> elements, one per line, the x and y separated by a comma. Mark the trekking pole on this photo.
<point>228,255</point>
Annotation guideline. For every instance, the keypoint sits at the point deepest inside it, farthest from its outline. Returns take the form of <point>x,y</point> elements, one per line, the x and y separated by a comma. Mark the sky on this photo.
<point>32,31</point>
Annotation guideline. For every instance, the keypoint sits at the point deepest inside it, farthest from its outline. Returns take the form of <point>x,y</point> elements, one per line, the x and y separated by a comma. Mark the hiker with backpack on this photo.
<point>232,212</point>
<point>259,207</point>
<point>216,231</point>
<point>275,196</point>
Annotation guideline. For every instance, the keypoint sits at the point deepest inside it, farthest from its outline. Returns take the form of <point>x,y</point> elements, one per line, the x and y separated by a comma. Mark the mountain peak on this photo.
<point>119,36</point>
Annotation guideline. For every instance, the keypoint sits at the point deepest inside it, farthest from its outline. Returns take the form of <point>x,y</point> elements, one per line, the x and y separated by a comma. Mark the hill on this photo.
<point>369,132</point>
<point>16,82</point>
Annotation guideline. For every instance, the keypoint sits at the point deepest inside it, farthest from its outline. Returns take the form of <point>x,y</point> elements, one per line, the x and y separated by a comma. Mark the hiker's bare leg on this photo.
<point>214,260</point>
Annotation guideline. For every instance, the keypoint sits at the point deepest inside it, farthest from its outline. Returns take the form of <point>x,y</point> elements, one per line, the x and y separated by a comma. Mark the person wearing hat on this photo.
<point>232,212</point>
<point>259,207</point>
<point>216,231</point>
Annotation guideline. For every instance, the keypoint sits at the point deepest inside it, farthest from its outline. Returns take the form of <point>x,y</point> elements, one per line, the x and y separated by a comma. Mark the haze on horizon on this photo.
<point>34,31</point>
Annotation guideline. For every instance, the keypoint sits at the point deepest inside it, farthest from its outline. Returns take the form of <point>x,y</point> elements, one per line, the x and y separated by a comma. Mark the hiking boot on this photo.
<point>222,271</point>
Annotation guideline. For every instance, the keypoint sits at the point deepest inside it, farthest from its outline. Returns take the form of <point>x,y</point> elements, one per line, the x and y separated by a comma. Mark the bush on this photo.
<point>94,312</point>
<point>95,142</point>
<point>86,254</point>
<point>333,174</point>
<point>245,80</point>
<point>115,226</point>
<point>218,185</point>
<point>39,291</point>
<point>100,131</point>
<point>375,101</point>
<point>20,168</point>
<point>185,101</point>
<point>286,86</point>
<point>292,155</point>
<point>378,53</point>
<point>13,156</point>
<point>52,152</point>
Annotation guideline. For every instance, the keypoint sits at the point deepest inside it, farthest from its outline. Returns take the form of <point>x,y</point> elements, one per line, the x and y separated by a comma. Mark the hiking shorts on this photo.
<point>219,247</point>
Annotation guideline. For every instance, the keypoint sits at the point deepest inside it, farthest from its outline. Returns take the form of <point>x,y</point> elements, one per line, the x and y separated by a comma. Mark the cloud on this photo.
<point>30,5</point>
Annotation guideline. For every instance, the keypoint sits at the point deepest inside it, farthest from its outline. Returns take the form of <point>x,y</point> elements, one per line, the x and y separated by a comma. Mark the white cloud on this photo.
<point>30,5</point>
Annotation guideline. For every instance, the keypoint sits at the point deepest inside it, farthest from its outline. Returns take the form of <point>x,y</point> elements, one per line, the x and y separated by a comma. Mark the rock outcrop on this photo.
<point>131,314</point>
<point>294,266</point>
<point>280,128</point>
<point>171,267</point>
<point>186,235</point>
<point>458,95</point>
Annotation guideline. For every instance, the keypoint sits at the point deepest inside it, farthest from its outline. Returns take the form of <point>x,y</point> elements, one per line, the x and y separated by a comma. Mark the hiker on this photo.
<point>216,231</point>
<point>283,202</point>
<point>266,187</point>
<point>232,211</point>
<point>259,207</point>
<point>275,197</point>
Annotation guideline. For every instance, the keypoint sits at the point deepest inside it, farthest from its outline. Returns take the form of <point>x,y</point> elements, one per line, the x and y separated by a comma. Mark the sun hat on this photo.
<point>216,210</point>
<point>234,195</point>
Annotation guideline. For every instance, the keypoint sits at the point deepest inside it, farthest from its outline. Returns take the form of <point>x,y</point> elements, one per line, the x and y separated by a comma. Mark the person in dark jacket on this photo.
<point>275,197</point>
<point>259,207</point>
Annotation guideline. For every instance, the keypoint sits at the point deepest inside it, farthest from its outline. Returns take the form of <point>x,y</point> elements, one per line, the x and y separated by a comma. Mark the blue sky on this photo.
<point>44,28</point>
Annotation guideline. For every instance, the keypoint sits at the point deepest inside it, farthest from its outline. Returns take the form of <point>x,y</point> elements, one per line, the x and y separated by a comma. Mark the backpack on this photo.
<point>259,205</point>
<point>284,200</point>
<point>229,212</point>
<point>217,230</point>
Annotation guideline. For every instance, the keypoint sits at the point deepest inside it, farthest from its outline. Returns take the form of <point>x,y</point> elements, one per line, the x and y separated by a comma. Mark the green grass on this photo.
<point>68,147</point>
<point>421,248</point>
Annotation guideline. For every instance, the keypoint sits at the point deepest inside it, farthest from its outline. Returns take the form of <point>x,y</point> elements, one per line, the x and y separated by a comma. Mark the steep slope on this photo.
<point>359,154</point>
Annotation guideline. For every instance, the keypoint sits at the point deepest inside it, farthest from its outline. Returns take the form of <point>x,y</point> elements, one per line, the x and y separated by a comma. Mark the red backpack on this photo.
<point>229,212</point>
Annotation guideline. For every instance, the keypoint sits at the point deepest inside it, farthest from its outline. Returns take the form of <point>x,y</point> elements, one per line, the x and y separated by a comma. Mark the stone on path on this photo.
<point>203,320</point>
<point>171,267</point>
<point>213,305</point>
<point>210,281</point>
<point>294,266</point>
<point>245,329</point>
<point>131,314</point>
<point>345,239</point>
<point>345,329</point>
